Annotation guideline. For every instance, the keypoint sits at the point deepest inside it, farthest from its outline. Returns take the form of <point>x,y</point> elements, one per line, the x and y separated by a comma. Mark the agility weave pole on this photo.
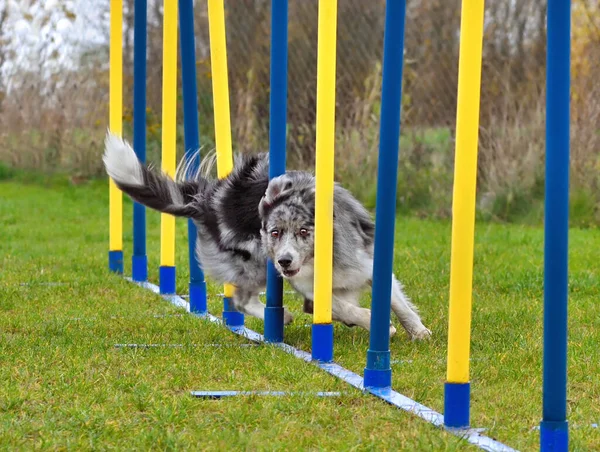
<point>139,260</point>
<point>322,329</point>
<point>554,432</point>
<point>378,371</point>
<point>197,284</point>
<point>169,142</point>
<point>457,387</point>
<point>115,216</point>
<point>277,152</point>
<point>220,85</point>
<point>554,429</point>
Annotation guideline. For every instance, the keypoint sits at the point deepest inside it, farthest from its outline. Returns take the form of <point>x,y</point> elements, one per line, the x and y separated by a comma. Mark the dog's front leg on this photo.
<point>248,302</point>
<point>407,313</point>
<point>345,309</point>
<point>308,306</point>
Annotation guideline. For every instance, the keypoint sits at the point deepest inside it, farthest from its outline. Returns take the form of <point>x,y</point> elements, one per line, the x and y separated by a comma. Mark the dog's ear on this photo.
<point>278,189</point>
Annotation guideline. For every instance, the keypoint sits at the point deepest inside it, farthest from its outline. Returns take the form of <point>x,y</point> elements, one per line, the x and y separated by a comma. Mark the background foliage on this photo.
<point>53,115</point>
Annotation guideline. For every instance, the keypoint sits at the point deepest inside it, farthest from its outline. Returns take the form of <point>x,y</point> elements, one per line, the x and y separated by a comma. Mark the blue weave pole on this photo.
<point>554,432</point>
<point>378,373</point>
<point>192,142</point>
<point>277,152</point>
<point>139,260</point>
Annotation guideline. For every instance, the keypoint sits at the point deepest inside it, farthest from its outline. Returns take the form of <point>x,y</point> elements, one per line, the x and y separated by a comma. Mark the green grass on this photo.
<point>65,386</point>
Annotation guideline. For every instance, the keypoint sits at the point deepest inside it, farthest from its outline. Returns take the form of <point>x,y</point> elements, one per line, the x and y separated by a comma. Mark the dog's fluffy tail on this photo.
<point>152,189</point>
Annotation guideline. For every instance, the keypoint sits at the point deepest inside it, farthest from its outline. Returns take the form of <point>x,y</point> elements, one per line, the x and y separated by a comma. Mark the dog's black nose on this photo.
<point>285,261</point>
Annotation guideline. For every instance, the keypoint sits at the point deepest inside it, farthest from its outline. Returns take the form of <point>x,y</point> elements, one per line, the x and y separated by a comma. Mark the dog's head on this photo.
<point>287,212</point>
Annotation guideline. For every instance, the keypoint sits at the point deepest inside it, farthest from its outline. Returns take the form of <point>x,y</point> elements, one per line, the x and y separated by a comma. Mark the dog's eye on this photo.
<point>274,233</point>
<point>303,232</point>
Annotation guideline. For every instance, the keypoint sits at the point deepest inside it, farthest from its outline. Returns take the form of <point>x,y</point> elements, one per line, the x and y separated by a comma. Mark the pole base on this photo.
<point>231,317</point>
<point>273,324</point>
<point>322,342</point>
<point>115,261</point>
<point>457,398</point>
<point>166,276</point>
<point>378,373</point>
<point>554,436</point>
<point>198,298</point>
<point>139,268</point>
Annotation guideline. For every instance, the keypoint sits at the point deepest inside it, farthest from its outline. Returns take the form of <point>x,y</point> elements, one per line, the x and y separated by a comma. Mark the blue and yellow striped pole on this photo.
<point>115,219</point>
<point>322,329</point>
<point>220,81</point>
<point>192,142</point>
<point>457,388</point>
<point>139,260</point>
<point>378,372</point>
<point>277,155</point>
<point>169,142</point>
<point>554,428</point>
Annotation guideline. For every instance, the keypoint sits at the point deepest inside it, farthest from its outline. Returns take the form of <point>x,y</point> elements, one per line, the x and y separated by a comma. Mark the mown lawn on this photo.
<point>63,384</point>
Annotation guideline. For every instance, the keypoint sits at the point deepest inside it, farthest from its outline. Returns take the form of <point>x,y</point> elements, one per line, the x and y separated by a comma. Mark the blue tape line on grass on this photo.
<point>173,299</point>
<point>48,283</point>
<point>184,345</point>
<point>221,394</point>
<point>471,435</point>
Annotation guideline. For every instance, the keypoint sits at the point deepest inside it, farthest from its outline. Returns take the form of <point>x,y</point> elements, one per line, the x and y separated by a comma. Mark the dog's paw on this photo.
<point>422,334</point>
<point>287,317</point>
<point>392,330</point>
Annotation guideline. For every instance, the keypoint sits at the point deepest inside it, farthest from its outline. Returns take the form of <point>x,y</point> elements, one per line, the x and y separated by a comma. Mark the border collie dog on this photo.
<point>244,219</point>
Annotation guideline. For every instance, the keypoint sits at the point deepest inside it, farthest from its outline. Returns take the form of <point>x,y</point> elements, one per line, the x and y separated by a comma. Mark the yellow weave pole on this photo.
<point>325,160</point>
<point>115,125</point>
<point>169,137</point>
<point>465,175</point>
<point>220,87</point>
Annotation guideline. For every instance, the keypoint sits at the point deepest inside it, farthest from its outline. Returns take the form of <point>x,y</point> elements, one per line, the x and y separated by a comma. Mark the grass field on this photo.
<point>65,386</point>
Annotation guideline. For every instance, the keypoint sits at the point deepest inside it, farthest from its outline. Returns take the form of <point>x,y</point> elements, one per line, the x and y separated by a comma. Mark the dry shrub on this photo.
<point>585,161</point>
<point>55,125</point>
<point>511,160</point>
